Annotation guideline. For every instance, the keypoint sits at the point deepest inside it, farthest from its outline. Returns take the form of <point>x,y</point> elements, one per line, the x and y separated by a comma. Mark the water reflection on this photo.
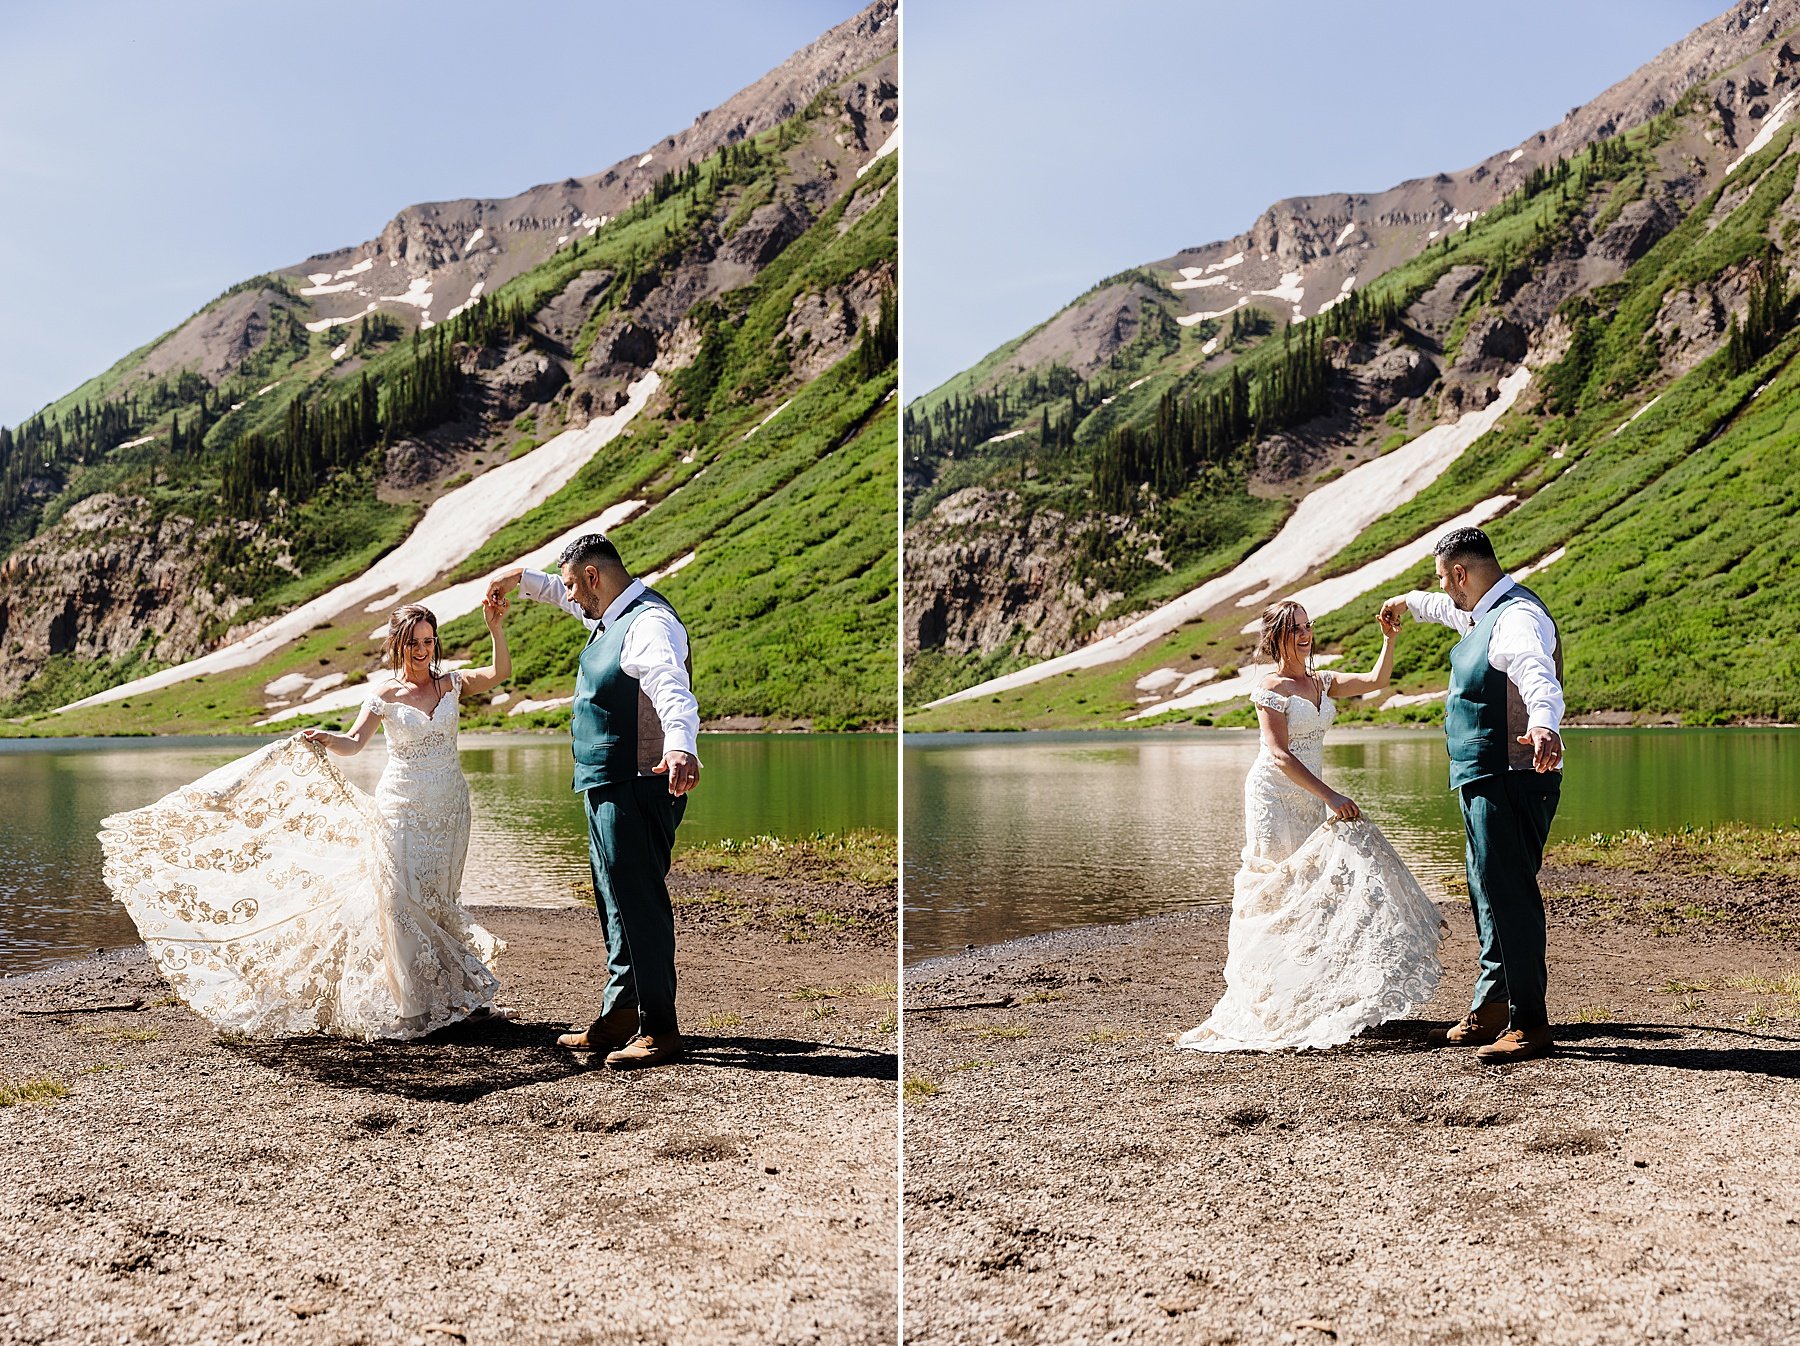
<point>528,839</point>
<point>1008,835</point>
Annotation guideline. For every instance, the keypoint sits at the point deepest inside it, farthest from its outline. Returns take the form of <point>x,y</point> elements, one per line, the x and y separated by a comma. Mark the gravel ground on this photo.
<point>1072,1178</point>
<point>482,1185</point>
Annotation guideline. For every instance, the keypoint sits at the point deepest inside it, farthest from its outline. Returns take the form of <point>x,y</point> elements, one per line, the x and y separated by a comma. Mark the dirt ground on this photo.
<point>1070,1177</point>
<point>481,1185</point>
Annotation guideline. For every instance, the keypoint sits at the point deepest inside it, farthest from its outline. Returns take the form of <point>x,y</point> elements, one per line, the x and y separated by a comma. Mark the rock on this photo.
<point>1639,226</point>
<point>761,238</point>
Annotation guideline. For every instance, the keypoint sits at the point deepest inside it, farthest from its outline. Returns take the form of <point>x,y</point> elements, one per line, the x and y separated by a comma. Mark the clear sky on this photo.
<point>155,152</point>
<point>1051,144</point>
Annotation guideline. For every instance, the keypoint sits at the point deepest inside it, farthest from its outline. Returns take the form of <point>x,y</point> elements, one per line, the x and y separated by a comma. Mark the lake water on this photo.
<point>528,844</point>
<point>1015,834</point>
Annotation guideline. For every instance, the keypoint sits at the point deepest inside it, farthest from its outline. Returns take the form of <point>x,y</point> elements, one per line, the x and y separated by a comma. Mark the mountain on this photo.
<point>1583,341</point>
<point>696,347</point>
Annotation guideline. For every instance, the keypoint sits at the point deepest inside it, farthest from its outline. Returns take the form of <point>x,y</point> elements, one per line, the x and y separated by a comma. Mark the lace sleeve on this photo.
<point>375,705</point>
<point>1269,700</point>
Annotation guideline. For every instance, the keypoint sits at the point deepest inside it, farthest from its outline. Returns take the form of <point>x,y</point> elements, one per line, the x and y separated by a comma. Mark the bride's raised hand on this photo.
<point>493,609</point>
<point>1390,622</point>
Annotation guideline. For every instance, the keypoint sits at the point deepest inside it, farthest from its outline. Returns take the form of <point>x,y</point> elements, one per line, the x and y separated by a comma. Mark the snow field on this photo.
<point>455,525</point>
<point>1776,119</point>
<point>1326,522</point>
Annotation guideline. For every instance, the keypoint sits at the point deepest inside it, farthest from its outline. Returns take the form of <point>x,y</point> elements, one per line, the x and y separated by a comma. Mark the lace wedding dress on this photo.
<point>278,899</point>
<point>1330,932</point>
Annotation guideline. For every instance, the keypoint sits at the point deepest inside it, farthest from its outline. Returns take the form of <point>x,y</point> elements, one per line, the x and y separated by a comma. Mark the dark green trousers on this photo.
<point>1507,820</point>
<point>631,831</point>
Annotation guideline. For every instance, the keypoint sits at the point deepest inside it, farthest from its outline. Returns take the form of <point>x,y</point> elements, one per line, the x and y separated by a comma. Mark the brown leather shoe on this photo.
<point>608,1033</point>
<point>1516,1044</point>
<point>646,1049</point>
<point>1477,1028</point>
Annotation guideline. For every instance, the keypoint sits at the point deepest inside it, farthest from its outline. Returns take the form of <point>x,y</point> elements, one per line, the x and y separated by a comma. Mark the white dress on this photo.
<point>278,899</point>
<point>1330,932</point>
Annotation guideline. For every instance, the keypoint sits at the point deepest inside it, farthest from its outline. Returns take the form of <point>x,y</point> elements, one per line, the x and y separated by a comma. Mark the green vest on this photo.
<point>617,732</point>
<point>1483,712</point>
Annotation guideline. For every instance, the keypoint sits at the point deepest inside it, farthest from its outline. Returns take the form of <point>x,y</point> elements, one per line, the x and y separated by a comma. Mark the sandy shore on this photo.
<point>1071,1178</point>
<point>480,1186</point>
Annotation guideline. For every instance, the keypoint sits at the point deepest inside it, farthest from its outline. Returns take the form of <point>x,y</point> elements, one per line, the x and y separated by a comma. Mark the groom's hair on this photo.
<point>1462,545</point>
<point>590,549</point>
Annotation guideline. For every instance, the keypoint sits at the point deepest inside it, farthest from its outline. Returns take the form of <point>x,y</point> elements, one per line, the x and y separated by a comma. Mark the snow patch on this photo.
<point>1634,415</point>
<point>1157,679</point>
<point>319,277</point>
<point>679,563</point>
<point>1331,594</point>
<point>1236,259</point>
<point>326,324</point>
<point>1246,681</point>
<point>888,146</point>
<point>339,698</point>
<point>555,703</point>
<point>474,238</point>
<point>1540,563</point>
<point>1325,522</point>
<point>1289,289</point>
<point>1211,345</point>
<point>338,352</point>
<point>329,289</point>
<point>1515,156</point>
<point>268,388</point>
<point>453,528</point>
<point>461,599</point>
<point>418,294</point>
<point>1199,282</point>
<point>136,443</point>
<point>356,270</point>
<point>771,416</point>
<point>997,439</point>
<point>1421,699</point>
<point>1348,230</point>
<point>646,159</point>
<point>1766,132</point>
<point>1189,319</point>
<point>1138,383</point>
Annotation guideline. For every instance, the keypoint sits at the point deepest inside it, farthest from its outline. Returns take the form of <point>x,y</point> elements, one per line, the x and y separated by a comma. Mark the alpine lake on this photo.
<point>1009,835</point>
<point>527,845</point>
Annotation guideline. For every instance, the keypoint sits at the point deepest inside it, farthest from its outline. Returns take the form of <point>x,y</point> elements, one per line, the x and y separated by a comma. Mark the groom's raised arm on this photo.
<point>1432,607</point>
<point>540,588</point>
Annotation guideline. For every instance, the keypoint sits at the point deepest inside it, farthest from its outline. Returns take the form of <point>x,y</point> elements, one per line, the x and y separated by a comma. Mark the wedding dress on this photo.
<point>278,899</point>
<point>1330,932</point>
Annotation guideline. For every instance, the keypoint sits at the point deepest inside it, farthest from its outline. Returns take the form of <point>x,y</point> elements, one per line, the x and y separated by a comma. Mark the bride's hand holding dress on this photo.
<point>1330,932</point>
<point>279,899</point>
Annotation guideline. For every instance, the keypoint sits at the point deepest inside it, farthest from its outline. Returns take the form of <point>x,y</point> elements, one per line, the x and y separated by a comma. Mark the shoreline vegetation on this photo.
<point>532,724</point>
<point>1639,1151</point>
<point>480,1183</point>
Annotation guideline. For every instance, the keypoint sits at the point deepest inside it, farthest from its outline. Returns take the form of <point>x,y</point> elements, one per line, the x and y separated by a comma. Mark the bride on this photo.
<point>278,899</point>
<point>1330,932</point>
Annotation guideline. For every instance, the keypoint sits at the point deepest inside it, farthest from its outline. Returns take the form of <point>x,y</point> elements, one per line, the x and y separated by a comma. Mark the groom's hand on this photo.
<point>682,769</point>
<point>504,583</point>
<point>1393,610</point>
<point>1546,748</point>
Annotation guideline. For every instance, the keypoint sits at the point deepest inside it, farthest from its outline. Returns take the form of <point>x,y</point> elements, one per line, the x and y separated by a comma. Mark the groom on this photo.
<point>1502,718</point>
<point>634,721</point>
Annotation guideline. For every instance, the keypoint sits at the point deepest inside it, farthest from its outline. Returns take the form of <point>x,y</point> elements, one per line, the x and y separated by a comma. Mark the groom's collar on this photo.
<point>627,596</point>
<point>1502,587</point>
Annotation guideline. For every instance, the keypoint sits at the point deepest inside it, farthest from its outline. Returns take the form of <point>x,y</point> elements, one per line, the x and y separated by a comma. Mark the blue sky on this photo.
<point>154,154</point>
<point>1052,144</point>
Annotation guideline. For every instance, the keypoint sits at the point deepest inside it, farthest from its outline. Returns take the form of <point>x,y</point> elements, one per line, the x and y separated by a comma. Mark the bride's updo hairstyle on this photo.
<point>1280,627</point>
<point>401,626</point>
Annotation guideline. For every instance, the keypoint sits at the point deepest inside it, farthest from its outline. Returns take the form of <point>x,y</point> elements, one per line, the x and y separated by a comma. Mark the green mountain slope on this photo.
<point>760,280</point>
<point>1646,281</point>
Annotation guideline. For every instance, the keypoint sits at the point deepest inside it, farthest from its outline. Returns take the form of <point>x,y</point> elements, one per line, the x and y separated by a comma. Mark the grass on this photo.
<point>792,602</point>
<point>867,858</point>
<point>721,1022</point>
<point>919,1089</point>
<point>1677,524</point>
<point>43,1089</point>
<point>1737,850</point>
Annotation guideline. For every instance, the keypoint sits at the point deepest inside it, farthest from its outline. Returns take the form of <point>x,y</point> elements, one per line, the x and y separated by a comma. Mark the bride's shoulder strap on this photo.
<point>1269,700</point>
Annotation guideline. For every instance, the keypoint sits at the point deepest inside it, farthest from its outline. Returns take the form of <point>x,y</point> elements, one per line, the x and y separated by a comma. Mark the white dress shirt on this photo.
<point>655,653</point>
<point>1521,646</point>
